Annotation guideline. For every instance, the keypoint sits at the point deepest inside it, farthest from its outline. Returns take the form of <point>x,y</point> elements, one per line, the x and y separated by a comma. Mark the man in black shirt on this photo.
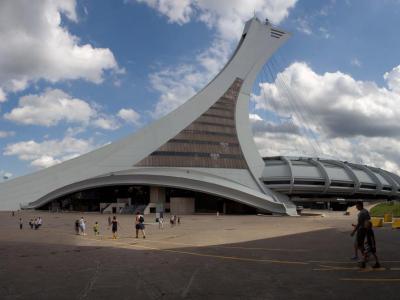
<point>359,228</point>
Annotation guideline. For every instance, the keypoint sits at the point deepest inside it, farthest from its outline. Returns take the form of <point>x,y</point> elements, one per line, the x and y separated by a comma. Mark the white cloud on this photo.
<point>54,106</point>
<point>178,11</point>
<point>49,152</point>
<point>353,120</point>
<point>228,18</point>
<point>106,122</point>
<point>49,108</point>
<point>129,116</point>
<point>336,100</point>
<point>4,134</point>
<point>393,79</point>
<point>37,45</point>
<point>177,84</point>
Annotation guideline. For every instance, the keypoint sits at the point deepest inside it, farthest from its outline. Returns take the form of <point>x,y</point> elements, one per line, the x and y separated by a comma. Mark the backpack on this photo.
<point>141,219</point>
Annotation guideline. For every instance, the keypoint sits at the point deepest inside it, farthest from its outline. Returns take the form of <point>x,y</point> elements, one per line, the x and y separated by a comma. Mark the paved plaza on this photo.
<point>224,257</point>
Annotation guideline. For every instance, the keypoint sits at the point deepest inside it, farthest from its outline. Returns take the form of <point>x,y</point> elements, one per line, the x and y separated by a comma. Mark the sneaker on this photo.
<point>354,258</point>
<point>144,236</point>
<point>376,266</point>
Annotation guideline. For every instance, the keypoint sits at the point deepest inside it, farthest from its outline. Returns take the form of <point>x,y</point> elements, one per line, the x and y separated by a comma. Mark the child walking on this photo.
<point>96,228</point>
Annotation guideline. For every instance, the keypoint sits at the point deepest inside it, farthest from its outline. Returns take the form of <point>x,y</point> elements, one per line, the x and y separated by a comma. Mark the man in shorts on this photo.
<point>139,224</point>
<point>359,229</point>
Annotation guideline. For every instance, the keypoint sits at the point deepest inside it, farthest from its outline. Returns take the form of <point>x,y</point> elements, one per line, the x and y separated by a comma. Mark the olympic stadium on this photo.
<point>201,158</point>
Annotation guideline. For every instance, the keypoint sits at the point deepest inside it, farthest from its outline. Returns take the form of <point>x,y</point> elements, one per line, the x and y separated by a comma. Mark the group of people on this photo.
<point>174,220</point>
<point>364,237</point>
<point>34,223</point>
<point>80,226</point>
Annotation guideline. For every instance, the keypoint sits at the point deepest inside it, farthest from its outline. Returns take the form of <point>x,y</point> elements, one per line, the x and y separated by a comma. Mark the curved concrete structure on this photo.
<point>307,177</point>
<point>169,177</point>
<point>206,144</point>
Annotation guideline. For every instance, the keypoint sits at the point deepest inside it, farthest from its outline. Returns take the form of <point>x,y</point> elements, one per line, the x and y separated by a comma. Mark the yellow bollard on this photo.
<point>377,222</point>
<point>396,224</point>
<point>387,218</point>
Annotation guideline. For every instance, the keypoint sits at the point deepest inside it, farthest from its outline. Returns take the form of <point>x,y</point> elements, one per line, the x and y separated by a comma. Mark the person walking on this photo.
<point>31,223</point>
<point>139,225</point>
<point>20,223</point>
<point>82,226</point>
<point>36,223</point>
<point>114,227</point>
<point>160,222</point>
<point>96,228</point>
<point>359,229</point>
<point>77,226</point>
<point>39,222</point>
<point>370,248</point>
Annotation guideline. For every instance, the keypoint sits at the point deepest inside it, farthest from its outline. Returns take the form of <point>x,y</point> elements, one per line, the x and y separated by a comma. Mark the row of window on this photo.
<point>197,154</point>
<point>218,116</point>
<point>208,132</point>
<point>333,184</point>
<point>223,144</point>
<point>214,124</point>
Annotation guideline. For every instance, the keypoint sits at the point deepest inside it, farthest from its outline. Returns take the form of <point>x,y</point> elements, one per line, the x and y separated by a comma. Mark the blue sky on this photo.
<point>107,68</point>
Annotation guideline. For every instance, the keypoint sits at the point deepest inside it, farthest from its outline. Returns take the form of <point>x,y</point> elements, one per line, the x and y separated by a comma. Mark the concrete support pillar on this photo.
<point>157,200</point>
<point>157,195</point>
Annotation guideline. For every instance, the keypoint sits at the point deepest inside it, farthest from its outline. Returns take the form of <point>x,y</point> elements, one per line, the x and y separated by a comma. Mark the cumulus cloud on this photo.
<point>177,84</point>
<point>352,120</point>
<point>49,152</point>
<point>49,108</point>
<point>178,11</point>
<point>260,125</point>
<point>332,101</point>
<point>228,19</point>
<point>393,79</point>
<point>106,122</point>
<point>54,106</point>
<point>129,115</point>
<point>37,45</point>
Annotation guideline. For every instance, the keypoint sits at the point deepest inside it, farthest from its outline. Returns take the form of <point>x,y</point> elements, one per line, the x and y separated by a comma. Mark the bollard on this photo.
<point>387,218</point>
<point>377,222</point>
<point>396,224</point>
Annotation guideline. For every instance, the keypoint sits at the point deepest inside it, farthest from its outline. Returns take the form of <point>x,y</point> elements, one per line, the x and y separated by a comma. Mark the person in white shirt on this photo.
<point>82,226</point>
